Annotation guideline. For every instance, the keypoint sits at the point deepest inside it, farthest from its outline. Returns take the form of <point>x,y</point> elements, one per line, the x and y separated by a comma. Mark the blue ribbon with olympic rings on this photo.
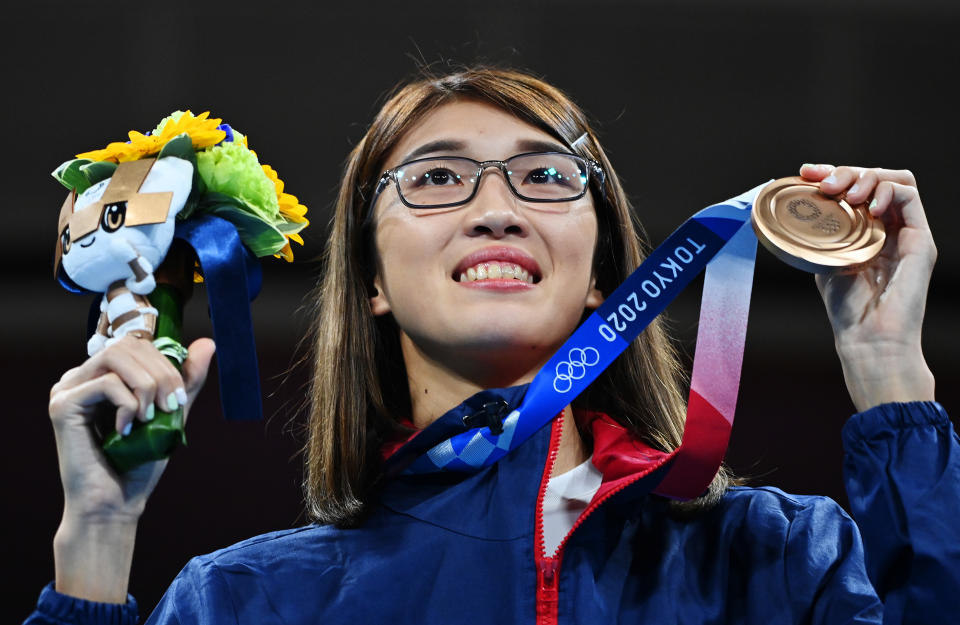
<point>718,238</point>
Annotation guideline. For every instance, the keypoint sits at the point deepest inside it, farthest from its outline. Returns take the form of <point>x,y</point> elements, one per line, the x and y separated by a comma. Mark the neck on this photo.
<point>437,386</point>
<point>439,383</point>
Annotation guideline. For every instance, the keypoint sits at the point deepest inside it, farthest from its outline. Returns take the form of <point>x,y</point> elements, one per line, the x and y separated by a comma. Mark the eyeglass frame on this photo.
<point>592,167</point>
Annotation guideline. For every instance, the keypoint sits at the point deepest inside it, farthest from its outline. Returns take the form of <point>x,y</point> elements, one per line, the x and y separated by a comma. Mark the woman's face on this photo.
<point>423,252</point>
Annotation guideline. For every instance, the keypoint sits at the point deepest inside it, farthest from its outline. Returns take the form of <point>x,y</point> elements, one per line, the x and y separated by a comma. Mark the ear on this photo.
<point>378,302</point>
<point>594,296</point>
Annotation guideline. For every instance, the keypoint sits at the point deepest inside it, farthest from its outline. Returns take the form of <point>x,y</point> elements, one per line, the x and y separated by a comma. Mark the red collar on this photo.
<point>617,453</point>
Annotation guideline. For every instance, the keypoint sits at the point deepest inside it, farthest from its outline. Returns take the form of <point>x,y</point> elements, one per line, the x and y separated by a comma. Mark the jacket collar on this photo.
<point>619,455</point>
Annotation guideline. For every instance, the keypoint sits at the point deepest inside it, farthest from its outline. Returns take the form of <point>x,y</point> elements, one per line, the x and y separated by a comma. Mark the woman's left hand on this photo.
<point>877,312</point>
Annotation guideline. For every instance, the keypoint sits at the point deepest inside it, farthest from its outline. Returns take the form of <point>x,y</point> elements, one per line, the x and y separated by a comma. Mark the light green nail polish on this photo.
<point>150,413</point>
<point>126,429</point>
<point>172,403</point>
<point>807,165</point>
<point>873,204</point>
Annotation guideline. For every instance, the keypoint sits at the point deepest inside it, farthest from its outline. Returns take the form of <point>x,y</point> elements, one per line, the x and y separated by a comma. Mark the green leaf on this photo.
<point>262,238</point>
<point>95,171</point>
<point>68,174</point>
<point>289,227</point>
<point>180,146</point>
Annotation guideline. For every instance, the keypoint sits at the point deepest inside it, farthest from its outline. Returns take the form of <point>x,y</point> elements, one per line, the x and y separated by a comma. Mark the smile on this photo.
<point>496,271</point>
<point>88,243</point>
<point>497,266</point>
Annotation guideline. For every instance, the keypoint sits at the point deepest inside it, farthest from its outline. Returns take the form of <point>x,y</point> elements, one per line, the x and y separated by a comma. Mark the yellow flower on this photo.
<point>291,210</point>
<point>203,134</point>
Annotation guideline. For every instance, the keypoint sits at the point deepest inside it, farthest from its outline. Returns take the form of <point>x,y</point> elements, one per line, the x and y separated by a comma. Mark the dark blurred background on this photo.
<point>694,105</point>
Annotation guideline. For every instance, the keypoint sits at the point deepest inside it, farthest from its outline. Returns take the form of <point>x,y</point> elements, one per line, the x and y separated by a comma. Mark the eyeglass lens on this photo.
<point>438,181</point>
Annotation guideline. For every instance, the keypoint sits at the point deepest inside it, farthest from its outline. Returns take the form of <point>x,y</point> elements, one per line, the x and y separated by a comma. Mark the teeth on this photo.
<point>495,271</point>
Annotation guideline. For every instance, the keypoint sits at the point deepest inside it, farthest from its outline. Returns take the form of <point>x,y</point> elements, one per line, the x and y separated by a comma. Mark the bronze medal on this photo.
<point>814,232</point>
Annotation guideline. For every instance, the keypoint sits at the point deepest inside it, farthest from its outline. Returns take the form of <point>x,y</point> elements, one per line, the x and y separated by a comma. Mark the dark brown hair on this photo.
<point>359,387</point>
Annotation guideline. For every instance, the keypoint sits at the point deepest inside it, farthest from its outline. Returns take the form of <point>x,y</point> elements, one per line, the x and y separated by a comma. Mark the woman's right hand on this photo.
<point>93,547</point>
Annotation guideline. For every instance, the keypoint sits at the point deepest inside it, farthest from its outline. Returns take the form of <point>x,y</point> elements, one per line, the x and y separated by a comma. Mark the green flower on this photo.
<point>232,169</point>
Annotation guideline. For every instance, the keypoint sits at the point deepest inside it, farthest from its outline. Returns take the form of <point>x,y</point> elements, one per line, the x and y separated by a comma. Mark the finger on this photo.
<point>863,187</point>
<point>843,178</point>
<point>171,393</point>
<point>197,365</point>
<point>840,179</point>
<point>126,357</point>
<point>899,204</point>
<point>100,363</point>
<point>121,359</point>
<point>816,172</point>
<point>69,379</point>
<point>108,387</point>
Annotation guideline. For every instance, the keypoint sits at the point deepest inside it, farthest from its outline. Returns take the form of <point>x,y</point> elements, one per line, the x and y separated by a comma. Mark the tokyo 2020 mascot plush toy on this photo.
<point>145,219</point>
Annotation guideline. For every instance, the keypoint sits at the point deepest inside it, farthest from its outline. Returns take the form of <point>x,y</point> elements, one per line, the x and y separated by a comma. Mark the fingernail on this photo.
<point>873,205</point>
<point>181,396</point>
<point>172,403</point>
<point>150,413</point>
<point>831,179</point>
<point>853,189</point>
<point>807,165</point>
<point>126,429</point>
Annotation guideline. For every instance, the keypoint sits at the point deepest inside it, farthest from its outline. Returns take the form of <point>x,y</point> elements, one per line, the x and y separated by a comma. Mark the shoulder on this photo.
<point>751,523</point>
<point>245,582</point>
<point>809,537</point>
<point>271,549</point>
<point>768,512</point>
<point>770,502</point>
<point>263,563</point>
<point>809,540</point>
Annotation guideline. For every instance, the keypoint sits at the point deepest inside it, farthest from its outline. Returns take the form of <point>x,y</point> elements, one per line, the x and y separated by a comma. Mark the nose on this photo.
<point>494,211</point>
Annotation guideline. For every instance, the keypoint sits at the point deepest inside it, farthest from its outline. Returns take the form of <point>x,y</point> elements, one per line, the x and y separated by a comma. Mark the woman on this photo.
<point>439,288</point>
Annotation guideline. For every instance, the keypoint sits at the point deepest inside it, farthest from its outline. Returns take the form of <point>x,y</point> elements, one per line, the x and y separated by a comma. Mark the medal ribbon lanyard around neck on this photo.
<point>719,238</point>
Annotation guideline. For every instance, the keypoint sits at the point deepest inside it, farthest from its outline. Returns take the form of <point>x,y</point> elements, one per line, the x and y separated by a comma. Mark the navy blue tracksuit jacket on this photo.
<point>456,548</point>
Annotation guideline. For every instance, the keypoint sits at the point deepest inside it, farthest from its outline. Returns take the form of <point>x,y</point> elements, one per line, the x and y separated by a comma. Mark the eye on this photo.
<point>546,175</point>
<point>438,177</point>
<point>65,240</point>
<point>114,215</point>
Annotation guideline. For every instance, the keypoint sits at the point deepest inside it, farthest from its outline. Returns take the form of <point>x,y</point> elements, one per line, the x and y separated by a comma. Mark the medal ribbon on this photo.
<point>718,238</point>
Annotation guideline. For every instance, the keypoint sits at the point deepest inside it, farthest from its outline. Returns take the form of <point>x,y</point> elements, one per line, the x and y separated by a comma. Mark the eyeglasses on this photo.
<point>446,181</point>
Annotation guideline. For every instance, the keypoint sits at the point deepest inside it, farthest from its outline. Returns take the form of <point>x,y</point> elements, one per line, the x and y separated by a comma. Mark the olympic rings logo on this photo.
<point>574,368</point>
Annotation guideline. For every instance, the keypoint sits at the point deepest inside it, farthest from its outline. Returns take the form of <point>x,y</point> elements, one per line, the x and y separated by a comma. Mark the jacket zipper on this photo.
<point>548,568</point>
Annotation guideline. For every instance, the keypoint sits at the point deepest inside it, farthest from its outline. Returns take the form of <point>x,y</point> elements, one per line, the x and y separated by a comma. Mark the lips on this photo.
<point>500,256</point>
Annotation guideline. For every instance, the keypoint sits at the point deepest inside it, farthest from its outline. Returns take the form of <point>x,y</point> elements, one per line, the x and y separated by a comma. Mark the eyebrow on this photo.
<point>441,145</point>
<point>537,145</point>
<point>452,145</point>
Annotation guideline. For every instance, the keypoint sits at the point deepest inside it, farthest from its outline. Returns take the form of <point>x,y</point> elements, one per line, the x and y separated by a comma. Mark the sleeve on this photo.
<point>198,595</point>
<point>54,608</point>
<point>902,474</point>
<point>824,570</point>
